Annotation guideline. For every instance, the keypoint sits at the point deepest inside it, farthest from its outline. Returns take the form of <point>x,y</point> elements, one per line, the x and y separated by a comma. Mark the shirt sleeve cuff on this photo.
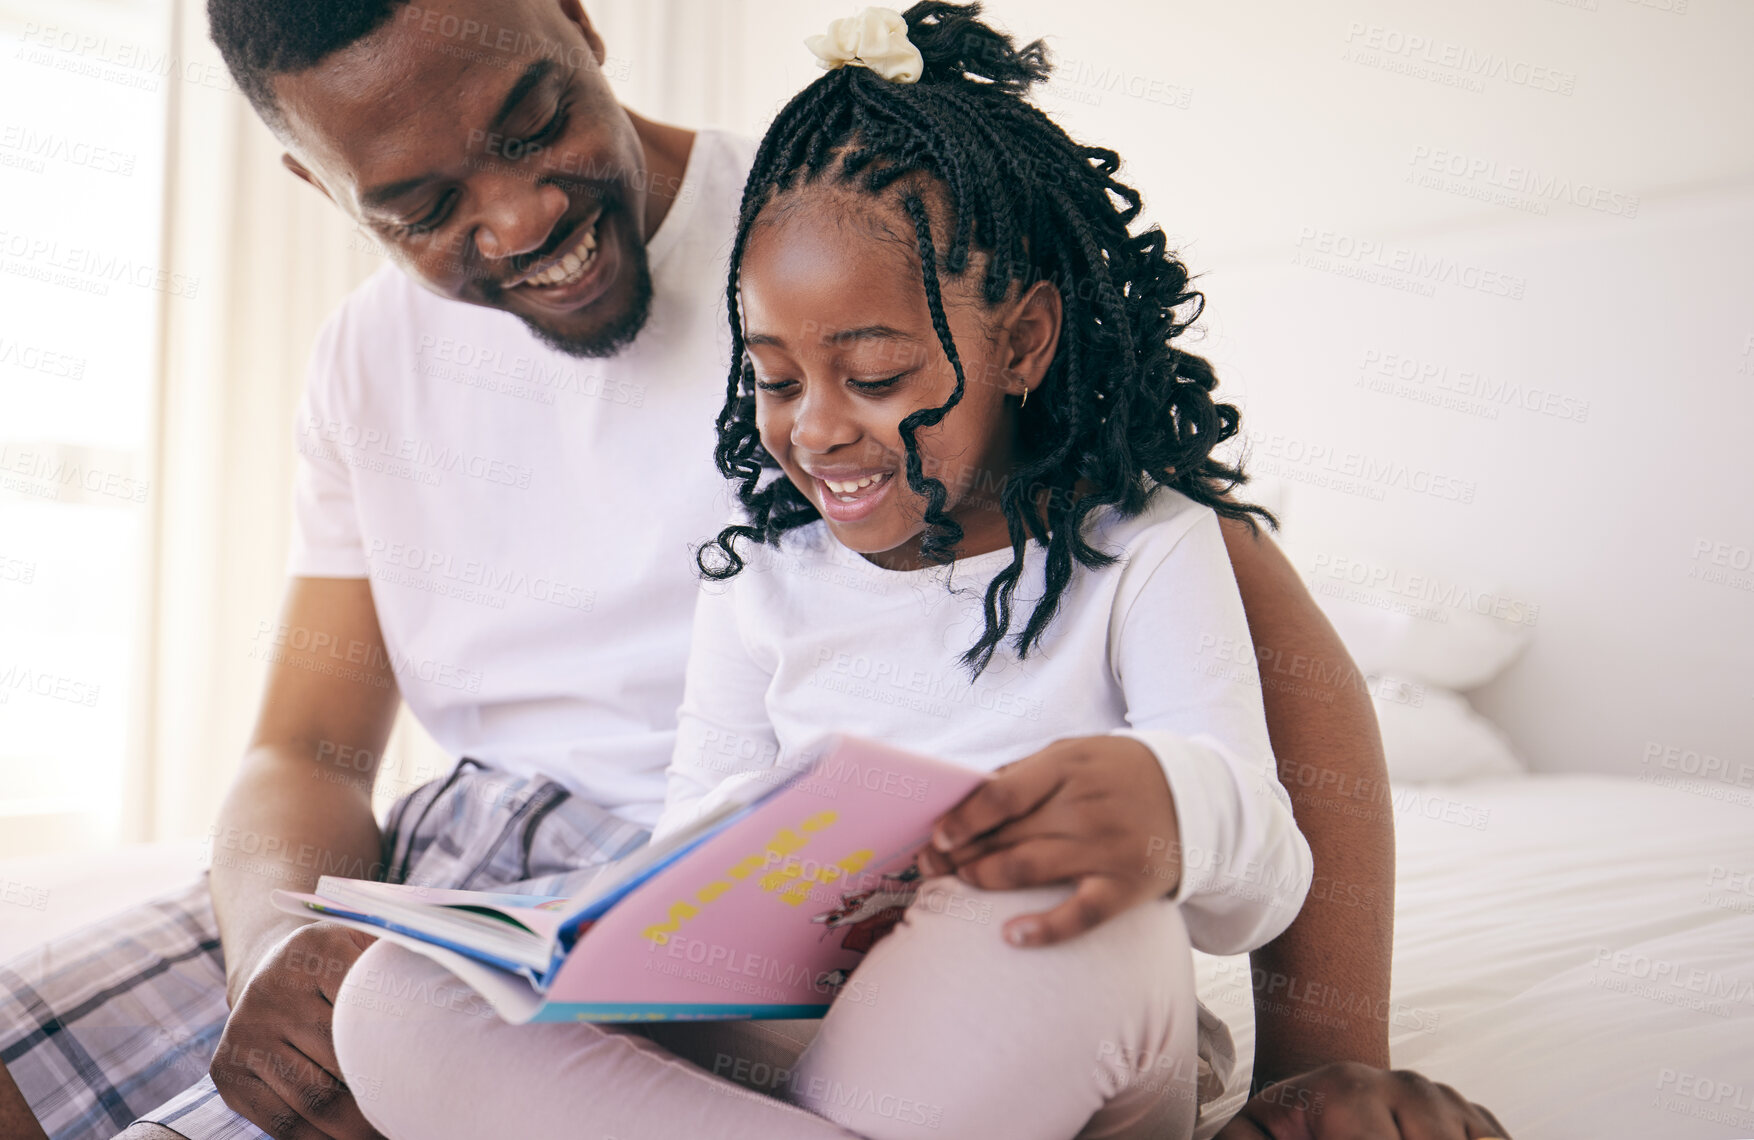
<point>1204,796</point>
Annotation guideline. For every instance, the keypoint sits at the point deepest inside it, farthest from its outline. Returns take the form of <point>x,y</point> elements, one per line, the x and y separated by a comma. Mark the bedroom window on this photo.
<point>84,90</point>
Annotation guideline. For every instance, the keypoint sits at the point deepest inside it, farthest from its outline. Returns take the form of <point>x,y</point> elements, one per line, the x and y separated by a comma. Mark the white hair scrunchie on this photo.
<point>876,38</point>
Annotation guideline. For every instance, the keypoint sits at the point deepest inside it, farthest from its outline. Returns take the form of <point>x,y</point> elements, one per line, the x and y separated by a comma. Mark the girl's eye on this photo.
<point>428,222</point>
<point>773,385</point>
<point>876,385</point>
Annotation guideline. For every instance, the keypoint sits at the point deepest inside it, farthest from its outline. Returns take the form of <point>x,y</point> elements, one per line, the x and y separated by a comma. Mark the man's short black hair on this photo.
<point>264,38</point>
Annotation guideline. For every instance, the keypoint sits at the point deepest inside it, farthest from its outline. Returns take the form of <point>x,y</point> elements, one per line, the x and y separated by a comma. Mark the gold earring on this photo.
<point>1023,401</point>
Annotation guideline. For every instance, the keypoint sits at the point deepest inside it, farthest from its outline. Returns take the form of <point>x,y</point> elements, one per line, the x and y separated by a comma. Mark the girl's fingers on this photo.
<point>1034,862</point>
<point>1097,899</point>
<point>1010,794</point>
<point>1043,823</point>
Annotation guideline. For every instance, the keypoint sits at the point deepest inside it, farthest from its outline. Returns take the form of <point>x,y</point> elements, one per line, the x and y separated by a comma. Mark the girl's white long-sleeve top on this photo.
<point>811,639</point>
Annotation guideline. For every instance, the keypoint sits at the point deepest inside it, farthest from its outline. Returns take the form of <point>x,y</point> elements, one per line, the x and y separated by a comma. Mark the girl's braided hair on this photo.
<point>1121,409</point>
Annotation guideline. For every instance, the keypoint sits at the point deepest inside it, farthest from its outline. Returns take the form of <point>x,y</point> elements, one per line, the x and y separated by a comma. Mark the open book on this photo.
<point>760,908</point>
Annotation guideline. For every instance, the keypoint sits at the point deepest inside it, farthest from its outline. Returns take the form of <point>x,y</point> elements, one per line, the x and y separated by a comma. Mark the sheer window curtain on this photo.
<point>274,259</point>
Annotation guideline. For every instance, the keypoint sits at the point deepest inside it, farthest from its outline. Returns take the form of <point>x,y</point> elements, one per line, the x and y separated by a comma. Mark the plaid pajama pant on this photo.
<point>118,1022</point>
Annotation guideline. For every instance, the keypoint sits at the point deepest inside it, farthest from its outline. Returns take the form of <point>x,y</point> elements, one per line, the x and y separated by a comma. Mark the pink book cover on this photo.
<point>767,916</point>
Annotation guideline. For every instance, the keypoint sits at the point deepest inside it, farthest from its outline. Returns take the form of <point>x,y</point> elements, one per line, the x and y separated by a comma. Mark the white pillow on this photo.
<point>1421,640</point>
<point>1431,734</point>
<point>1451,647</point>
<point>1403,620</point>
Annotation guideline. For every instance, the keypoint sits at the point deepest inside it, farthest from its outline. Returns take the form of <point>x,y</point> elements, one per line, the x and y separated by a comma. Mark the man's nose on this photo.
<point>517,217</point>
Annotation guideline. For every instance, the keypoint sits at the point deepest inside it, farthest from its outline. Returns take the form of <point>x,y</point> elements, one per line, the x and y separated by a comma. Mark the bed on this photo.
<point>1575,952</point>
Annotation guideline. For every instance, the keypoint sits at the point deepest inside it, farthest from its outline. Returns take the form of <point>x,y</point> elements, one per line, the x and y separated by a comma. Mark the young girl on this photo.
<point>981,523</point>
<point>994,528</point>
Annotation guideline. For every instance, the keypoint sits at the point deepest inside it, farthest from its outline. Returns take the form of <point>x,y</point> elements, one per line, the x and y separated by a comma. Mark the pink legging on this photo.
<point>958,1035</point>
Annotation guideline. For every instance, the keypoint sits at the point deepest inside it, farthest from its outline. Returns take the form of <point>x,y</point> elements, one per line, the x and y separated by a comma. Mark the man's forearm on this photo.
<point>287,821</point>
<point>1322,987</point>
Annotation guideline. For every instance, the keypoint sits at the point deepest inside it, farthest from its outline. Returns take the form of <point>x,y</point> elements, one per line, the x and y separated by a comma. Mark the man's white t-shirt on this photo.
<point>527,518</point>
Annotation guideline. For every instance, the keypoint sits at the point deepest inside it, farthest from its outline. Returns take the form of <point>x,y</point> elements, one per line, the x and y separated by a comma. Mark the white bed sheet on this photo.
<point>46,896</point>
<point>1506,981</point>
<point>1582,964</point>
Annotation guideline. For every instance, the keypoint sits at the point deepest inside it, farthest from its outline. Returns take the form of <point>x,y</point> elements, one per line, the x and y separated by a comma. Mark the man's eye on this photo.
<point>430,220</point>
<point>549,131</point>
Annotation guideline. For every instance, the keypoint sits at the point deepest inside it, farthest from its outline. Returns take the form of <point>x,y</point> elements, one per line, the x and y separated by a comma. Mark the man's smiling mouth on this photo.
<point>566,266</point>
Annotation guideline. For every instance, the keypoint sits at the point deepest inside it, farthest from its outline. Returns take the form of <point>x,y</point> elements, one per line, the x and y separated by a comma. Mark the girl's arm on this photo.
<point>723,737</point>
<point>1183,803</point>
<point>1180,648</point>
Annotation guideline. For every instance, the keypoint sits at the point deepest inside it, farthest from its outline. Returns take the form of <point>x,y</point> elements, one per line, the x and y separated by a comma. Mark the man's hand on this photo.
<point>1095,809</point>
<point>1349,1101</point>
<point>276,1060</point>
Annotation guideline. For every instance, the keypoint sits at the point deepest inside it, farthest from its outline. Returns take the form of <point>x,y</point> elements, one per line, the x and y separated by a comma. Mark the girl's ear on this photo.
<point>1033,335</point>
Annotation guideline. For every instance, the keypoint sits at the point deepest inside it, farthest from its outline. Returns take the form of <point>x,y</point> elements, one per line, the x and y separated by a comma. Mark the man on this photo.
<point>506,448</point>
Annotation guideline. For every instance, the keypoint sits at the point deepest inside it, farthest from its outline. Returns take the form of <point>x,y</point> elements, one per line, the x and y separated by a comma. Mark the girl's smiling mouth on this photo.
<point>848,496</point>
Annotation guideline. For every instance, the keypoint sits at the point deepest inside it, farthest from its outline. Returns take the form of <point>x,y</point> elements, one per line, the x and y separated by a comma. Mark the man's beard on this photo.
<point>608,341</point>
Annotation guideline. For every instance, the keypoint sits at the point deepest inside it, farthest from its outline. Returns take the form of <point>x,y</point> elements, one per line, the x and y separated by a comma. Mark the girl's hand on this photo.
<point>1095,809</point>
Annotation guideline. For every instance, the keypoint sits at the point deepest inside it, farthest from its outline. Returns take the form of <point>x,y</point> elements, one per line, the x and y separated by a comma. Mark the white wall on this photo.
<point>1246,129</point>
<point>1264,132</point>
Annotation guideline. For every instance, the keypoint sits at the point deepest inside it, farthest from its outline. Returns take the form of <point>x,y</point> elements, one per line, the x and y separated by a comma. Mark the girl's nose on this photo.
<point>821,423</point>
